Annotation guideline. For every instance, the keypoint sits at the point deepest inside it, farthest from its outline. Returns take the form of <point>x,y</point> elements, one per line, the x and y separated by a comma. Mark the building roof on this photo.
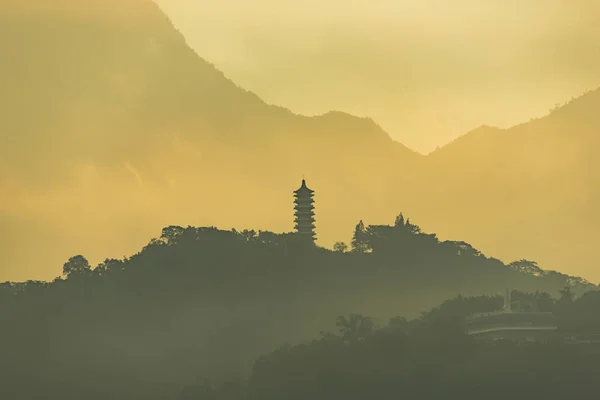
<point>508,319</point>
<point>303,189</point>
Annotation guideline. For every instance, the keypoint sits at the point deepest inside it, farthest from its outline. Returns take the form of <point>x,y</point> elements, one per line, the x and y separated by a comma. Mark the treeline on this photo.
<point>430,357</point>
<point>207,302</point>
<point>402,245</point>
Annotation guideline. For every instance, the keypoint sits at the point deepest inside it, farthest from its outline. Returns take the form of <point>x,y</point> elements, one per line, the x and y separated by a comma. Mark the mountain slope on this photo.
<point>113,127</point>
<point>540,179</point>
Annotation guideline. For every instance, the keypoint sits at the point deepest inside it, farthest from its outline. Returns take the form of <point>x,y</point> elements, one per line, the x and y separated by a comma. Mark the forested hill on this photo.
<point>211,301</point>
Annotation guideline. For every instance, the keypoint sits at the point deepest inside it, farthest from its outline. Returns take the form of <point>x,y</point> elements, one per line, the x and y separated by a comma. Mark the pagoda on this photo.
<point>304,206</point>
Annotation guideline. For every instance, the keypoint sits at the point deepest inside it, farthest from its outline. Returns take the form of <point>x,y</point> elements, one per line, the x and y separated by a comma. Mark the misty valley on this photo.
<point>203,313</point>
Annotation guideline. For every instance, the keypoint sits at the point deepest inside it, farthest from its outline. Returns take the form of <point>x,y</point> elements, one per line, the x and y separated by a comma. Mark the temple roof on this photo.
<point>303,188</point>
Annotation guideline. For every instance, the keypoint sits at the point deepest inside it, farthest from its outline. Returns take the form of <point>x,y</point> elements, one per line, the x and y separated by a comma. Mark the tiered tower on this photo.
<point>304,206</point>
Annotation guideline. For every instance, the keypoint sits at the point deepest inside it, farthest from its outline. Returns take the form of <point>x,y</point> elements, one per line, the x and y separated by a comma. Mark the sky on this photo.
<point>426,70</point>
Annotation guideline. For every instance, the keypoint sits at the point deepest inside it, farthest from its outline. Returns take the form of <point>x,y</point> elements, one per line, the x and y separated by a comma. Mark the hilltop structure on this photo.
<point>512,323</point>
<point>304,212</point>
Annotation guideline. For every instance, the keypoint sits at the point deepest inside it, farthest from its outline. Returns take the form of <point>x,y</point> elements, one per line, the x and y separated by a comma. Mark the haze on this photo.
<point>113,128</point>
<point>426,70</point>
<point>156,229</point>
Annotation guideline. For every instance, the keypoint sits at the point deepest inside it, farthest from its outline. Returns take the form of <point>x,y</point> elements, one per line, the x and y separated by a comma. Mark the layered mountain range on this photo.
<point>112,128</point>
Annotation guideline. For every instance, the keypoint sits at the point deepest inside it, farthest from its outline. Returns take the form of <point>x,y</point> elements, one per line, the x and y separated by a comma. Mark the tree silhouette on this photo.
<point>107,266</point>
<point>251,287</point>
<point>171,234</point>
<point>426,358</point>
<point>359,239</point>
<point>340,247</point>
<point>566,295</point>
<point>76,266</point>
<point>399,222</point>
<point>355,327</point>
<point>398,324</point>
<point>528,267</point>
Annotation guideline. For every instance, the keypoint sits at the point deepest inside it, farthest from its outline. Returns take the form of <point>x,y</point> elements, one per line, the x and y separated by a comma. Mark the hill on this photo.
<point>113,127</point>
<point>535,183</point>
<point>203,302</point>
<point>432,357</point>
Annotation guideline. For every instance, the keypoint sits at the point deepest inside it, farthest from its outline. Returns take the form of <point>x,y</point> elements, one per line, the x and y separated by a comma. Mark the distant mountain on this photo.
<point>112,127</point>
<point>536,185</point>
<point>118,121</point>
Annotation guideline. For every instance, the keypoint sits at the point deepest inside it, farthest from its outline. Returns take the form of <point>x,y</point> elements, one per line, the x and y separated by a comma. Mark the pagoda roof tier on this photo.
<point>304,214</point>
<point>303,198</point>
<point>304,194</point>
<point>304,189</point>
<point>303,210</point>
<point>304,221</point>
<point>304,205</point>
<point>301,227</point>
<point>304,229</point>
<point>311,233</point>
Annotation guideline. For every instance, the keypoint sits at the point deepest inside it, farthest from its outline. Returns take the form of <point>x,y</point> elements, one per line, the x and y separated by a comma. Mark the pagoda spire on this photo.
<point>304,212</point>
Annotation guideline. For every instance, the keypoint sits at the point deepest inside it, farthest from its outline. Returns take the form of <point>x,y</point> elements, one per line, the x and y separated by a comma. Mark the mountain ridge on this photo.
<point>128,129</point>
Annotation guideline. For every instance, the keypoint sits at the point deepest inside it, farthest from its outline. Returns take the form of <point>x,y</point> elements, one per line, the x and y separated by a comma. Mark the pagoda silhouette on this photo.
<point>304,213</point>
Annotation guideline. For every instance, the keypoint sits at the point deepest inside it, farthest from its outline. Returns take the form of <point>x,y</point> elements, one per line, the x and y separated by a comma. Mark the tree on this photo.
<point>340,247</point>
<point>171,233</point>
<point>543,301</point>
<point>76,266</point>
<point>248,235</point>
<point>399,221</point>
<point>464,249</point>
<point>277,239</point>
<point>108,265</point>
<point>566,295</point>
<point>359,239</point>
<point>406,225</point>
<point>398,324</point>
<point>412,228</point>
<point>355,327</point>
<point>527,267</point>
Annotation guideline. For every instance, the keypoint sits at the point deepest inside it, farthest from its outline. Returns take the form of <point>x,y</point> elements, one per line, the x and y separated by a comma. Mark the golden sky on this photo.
<point>79,172</point>
<point>426,70</point>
